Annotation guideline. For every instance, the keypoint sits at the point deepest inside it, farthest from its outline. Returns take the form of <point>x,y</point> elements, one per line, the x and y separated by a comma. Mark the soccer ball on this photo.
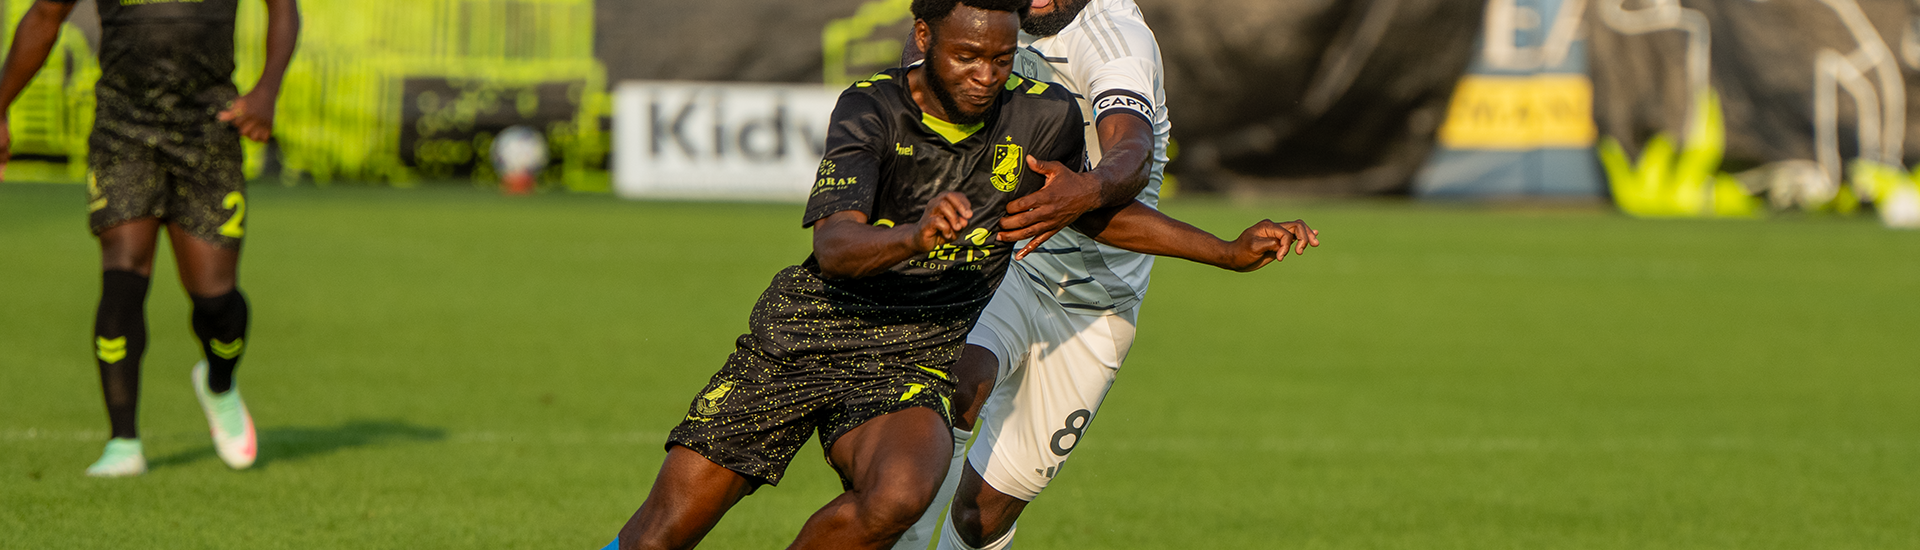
<point>519,153</point>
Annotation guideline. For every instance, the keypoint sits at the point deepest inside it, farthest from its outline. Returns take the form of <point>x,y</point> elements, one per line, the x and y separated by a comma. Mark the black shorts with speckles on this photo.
<point>190,176</point>
<point>753,416</point>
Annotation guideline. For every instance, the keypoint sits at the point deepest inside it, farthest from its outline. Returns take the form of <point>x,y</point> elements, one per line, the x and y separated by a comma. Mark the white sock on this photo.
<point>950,539</point>
<point>920,536</point>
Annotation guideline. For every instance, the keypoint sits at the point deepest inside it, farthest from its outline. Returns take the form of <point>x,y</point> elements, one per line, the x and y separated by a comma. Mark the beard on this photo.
<point>1050,24</point>
<point>948,103</point>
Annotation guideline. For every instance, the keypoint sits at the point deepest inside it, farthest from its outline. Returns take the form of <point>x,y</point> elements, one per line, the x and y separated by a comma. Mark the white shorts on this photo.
<point>1055,367</point>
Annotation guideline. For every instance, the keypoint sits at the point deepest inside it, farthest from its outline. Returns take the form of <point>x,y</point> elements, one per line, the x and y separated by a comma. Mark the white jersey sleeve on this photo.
<point>1110,60</point>
<point>1117,89</point>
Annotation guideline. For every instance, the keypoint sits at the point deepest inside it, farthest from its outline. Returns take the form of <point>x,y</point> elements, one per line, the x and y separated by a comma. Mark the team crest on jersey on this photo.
<point>709,403</point>
<point>1006,166</point>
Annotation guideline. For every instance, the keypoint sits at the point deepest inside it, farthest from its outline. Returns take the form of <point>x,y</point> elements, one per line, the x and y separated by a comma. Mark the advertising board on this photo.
<point>718,141</point>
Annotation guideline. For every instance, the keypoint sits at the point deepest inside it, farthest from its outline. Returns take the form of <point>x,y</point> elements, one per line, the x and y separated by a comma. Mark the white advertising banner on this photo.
<point>728,141</point>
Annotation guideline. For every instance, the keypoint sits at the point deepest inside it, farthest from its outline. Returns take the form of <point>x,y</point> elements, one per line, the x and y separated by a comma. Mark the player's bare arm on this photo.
<point>32,40</point>
<point>1126,146</point>
<point>848,246</point>
<point>1142,229</point>
<point>253,112</point>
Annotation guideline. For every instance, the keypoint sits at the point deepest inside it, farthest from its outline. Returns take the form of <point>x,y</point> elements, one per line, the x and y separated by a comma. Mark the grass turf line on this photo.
<point>449,368</point>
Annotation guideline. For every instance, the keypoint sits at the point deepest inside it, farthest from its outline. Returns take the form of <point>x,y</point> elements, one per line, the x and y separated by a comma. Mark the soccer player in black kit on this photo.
<point>856,342</point>
<point>165,151</point>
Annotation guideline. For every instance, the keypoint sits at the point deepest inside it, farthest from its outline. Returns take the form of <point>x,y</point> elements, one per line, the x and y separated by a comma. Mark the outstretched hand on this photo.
<point>1268,242</point>
<point>252,114</point>
<point>946,216</point>
<point>1061,200</point>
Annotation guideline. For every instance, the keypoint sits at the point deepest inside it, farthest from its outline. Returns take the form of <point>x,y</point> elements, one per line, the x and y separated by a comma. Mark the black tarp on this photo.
<point>1345,97</point>
<point>1265,94</point>
<point>1317,97</point>
<point>1763,65</point>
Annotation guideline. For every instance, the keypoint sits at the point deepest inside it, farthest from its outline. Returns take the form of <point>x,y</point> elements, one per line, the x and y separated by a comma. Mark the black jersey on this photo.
<point>887,159</point>
<point>165,62</point>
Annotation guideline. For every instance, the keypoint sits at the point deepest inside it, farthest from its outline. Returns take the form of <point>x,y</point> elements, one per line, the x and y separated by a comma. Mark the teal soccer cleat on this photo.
<point>227,418</point>
<point>123,458</point>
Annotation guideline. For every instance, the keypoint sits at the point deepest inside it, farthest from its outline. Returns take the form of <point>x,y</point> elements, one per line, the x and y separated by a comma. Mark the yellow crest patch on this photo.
<point>709,403</point>
<point>1006,166</point>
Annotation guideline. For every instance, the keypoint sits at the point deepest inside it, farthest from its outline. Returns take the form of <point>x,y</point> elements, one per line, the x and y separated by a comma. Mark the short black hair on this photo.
<point>933,11</point>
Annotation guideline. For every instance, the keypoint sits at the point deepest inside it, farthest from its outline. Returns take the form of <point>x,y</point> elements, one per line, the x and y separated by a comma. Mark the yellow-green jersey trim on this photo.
<point>953,133</point>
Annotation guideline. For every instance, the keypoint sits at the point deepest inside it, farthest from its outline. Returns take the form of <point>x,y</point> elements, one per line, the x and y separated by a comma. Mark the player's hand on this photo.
<point>946,216</point>
<point>252,114</point>
<point>1065,196</point>
<point>1268,242</point>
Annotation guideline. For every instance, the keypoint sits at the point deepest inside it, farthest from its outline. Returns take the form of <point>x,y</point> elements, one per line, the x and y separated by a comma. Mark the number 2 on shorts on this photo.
<point>238,204</point>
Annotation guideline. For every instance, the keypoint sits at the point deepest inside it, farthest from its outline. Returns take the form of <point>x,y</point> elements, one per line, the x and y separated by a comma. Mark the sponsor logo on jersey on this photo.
<point>709,403</point>
<point>903,149</point>
<point>832,184</point>
<point>971,248</point>
<point>1006,166</point>
<point>977,237</point>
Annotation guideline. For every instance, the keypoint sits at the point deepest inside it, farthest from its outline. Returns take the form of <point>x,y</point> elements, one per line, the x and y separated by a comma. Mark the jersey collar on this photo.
<point>953,133</point>
<point>949,131</point>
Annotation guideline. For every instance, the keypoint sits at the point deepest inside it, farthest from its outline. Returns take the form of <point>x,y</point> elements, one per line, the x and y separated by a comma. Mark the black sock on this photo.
<point>119,339</point>
<point>221,324</point>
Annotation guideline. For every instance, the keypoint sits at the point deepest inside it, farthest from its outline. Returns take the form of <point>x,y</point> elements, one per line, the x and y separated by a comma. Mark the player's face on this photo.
<point>970,55</point>
<point>1047,17</point>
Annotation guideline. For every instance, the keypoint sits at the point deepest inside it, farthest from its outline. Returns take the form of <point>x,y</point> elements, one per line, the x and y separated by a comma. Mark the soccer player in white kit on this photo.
<point>1048,347</point>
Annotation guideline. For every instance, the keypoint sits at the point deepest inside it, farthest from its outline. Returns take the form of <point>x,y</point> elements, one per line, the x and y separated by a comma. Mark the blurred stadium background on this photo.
<point>1507,362</point>
<point>1728,108</point>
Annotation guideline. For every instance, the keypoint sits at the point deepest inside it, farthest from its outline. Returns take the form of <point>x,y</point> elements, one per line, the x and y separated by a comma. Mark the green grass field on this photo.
<point>447,368</point>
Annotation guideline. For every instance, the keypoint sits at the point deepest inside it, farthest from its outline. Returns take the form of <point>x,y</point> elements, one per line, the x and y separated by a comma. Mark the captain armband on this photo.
<point>1116,102</point>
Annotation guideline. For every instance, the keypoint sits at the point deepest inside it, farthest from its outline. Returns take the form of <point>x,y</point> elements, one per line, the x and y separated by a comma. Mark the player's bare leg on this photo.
<point>130,246</point>
<point>206,270</point>
<point>973,378</point>
<point>895,462</point>
<point>687,500</point>
<point>980,515</point>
